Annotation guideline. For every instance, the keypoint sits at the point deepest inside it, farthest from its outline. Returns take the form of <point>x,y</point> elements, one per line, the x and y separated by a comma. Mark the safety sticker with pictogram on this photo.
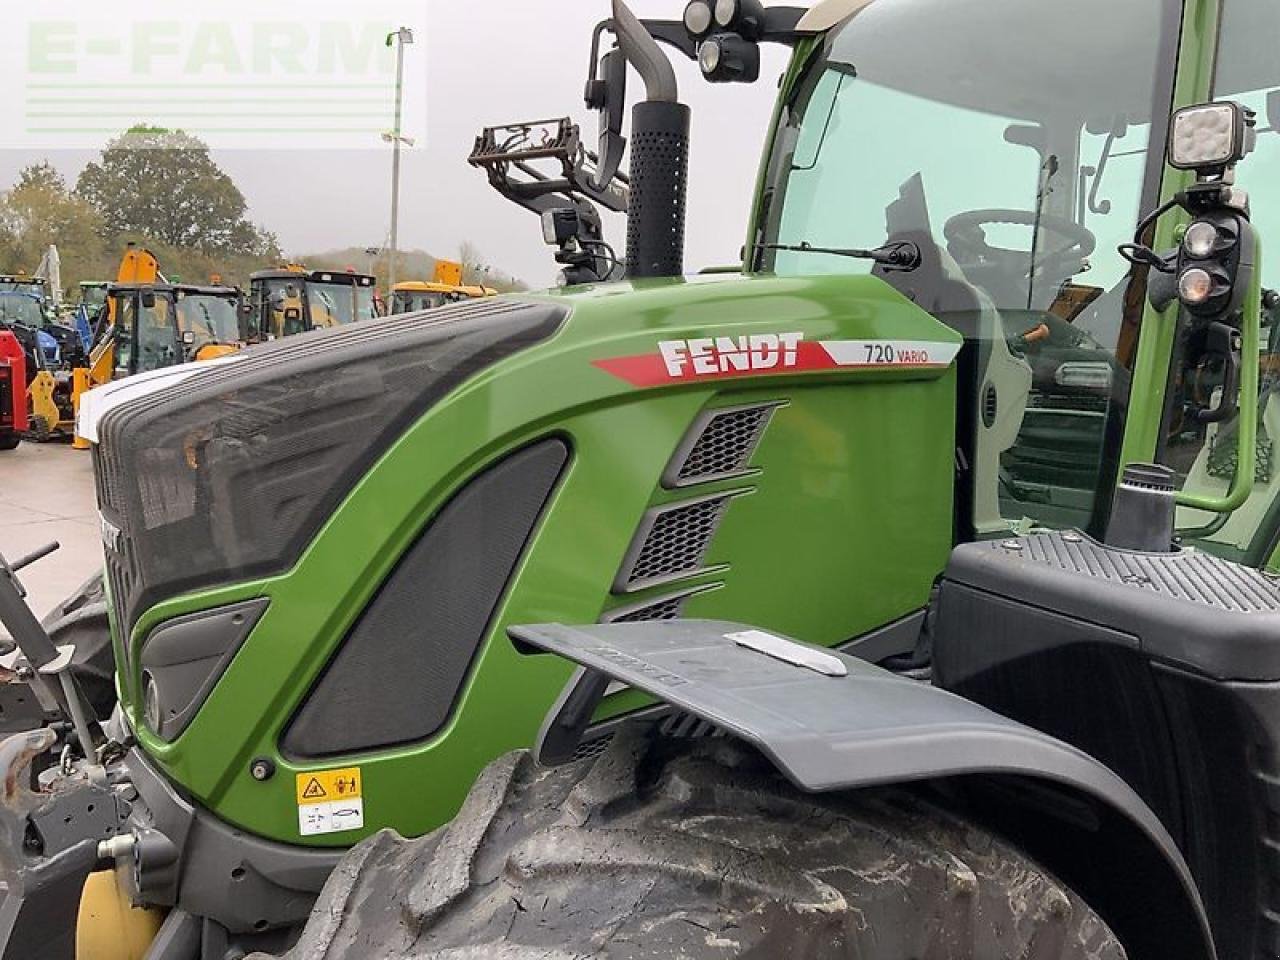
<point>329,801</point>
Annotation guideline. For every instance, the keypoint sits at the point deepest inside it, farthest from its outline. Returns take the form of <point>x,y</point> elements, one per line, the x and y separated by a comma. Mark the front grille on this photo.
<point>668,609</point>
<point>719,445</point>
<point>673,542</point>
<point>230,474</point>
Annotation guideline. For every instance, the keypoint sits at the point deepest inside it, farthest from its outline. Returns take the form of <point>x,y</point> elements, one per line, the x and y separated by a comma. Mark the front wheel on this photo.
<point>653,851</point>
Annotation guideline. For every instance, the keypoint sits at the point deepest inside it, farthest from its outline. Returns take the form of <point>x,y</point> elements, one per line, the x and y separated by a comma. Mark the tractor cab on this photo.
<point>1014,146</point>
<point>293,300</point>
<point>37,287</point>
<point>162,325</point>
<point>22,315</point>
<point>414,295</point>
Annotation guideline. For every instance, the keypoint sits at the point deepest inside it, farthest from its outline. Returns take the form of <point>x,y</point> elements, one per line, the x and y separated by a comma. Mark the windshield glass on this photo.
<point>366,306</point>
<point>20,309</point>
<point>331,303</point>
<point>407,301</point>
<point>211,318</point>
<point>1011,140</point>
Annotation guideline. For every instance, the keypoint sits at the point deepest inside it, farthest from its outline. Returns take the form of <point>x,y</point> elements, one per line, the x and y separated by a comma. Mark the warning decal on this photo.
<point>330,801</point>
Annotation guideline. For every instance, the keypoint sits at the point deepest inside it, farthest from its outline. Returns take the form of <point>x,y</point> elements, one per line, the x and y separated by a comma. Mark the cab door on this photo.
<point>1220,510</point>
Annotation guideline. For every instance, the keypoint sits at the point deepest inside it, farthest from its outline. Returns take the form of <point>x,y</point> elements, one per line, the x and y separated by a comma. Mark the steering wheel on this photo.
<point>967,244</point>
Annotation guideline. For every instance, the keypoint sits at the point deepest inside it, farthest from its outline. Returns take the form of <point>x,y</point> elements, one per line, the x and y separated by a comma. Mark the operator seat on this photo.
<point>992,383</point>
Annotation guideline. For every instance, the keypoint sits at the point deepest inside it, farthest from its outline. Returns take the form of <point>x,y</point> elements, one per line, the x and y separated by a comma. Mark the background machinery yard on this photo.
<point>994,449</point>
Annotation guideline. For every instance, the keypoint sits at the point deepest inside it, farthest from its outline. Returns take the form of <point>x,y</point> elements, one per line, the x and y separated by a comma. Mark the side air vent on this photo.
<point>990,405</point>
<point>399,671</point>
<point>672,542</point>
<point>670,607</point>
<point>719,445</point>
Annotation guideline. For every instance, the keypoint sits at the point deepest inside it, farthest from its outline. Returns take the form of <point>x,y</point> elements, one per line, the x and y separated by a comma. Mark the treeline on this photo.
<point>160,189</point>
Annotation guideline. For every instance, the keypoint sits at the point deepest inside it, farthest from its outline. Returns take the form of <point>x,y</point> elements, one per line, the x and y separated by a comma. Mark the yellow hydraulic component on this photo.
<point>138,266</point>
<point>42,404</point>
<point>448,272</point>
<point>215,350</point>
<point>102,362</point>
<point>108,927</point>
<point>79,385</point>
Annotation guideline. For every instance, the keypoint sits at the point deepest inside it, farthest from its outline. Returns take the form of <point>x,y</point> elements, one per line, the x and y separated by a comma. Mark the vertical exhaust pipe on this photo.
<point>659,156</point>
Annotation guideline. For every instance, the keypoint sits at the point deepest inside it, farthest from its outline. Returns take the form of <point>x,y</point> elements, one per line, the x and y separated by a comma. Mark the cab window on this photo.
<point>1205,456</point>
<point>1016,175</point>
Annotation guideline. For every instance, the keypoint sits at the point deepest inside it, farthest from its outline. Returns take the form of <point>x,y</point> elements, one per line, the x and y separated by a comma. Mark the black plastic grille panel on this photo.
<point>230,473</point>
<point>723,447</point>
<point>668,609</point>
<point>675,541</point>
<point>1188,575</point>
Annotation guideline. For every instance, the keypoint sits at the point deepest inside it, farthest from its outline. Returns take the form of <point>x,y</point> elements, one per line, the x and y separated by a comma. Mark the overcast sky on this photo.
<point>476,63</point>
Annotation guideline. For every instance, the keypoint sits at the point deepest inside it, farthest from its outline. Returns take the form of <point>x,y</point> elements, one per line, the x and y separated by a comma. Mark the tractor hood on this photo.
<point>224,470</point>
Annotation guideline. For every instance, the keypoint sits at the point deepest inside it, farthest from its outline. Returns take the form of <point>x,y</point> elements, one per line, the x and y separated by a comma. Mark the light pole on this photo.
<point>400,38</point>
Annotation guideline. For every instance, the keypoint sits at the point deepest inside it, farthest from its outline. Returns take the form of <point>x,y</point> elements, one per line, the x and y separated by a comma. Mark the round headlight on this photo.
<point>1195,286</point>
<point>151,702</point>
<point>697,17</point>
<point>1200,239</point>
<point>726,12</point>
<point>709,56</point>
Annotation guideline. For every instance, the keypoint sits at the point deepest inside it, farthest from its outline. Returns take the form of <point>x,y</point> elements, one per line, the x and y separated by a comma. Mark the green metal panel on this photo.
<point>1193,84</point>
<point>856,458</point>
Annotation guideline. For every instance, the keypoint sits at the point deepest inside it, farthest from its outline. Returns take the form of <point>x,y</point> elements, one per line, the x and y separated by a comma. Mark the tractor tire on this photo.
<point>660,850</point>
<point>9,440</point>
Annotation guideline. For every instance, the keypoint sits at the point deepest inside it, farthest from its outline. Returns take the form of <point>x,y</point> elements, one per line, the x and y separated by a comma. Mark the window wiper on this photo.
<point>902,255</point>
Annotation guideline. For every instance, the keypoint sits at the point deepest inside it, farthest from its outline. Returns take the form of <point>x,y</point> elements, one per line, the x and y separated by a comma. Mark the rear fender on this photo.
<point>832,722</point>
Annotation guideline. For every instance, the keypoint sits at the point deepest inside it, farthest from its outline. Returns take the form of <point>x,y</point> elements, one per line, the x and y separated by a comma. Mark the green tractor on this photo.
<point>984,422</point>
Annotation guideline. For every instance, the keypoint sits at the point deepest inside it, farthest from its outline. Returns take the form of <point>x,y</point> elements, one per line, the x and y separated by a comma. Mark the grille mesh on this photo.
<point>668,609</point>
<point>677,540</point>
<point>725,445</point>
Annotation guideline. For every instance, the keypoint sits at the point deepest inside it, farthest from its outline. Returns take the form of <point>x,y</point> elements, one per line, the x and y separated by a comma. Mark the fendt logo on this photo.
<point>762,354</point>
<point>709,356</point>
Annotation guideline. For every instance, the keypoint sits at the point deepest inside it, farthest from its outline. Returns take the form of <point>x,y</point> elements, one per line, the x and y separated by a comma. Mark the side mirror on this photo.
<point>188,337</point>
<point>148,299</point>
<point>607,94</point>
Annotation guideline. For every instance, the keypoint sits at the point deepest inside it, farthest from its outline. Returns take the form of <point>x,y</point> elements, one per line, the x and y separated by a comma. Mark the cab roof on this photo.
<point>187,288</point>
<point>315,276</point>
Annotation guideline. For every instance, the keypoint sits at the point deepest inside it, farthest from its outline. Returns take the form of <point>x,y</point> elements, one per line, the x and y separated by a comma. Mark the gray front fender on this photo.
<point>833,722</point>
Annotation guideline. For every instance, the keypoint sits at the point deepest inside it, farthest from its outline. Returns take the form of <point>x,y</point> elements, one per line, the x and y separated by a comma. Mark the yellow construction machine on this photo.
<point>292,299</point>
<point>444,287</point>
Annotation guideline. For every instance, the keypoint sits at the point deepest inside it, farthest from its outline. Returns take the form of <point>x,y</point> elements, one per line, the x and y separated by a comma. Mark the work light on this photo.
<point>1210,137</point>
<point>697,18</point>
<point>1201,239</point>
<point>743,17</point>
<point>1195,286</point>
<point>728,58</point>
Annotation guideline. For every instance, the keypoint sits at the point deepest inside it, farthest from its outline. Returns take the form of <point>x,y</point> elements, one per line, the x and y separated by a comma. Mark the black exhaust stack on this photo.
<point>659,156</point>
<point>1142,513</point>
